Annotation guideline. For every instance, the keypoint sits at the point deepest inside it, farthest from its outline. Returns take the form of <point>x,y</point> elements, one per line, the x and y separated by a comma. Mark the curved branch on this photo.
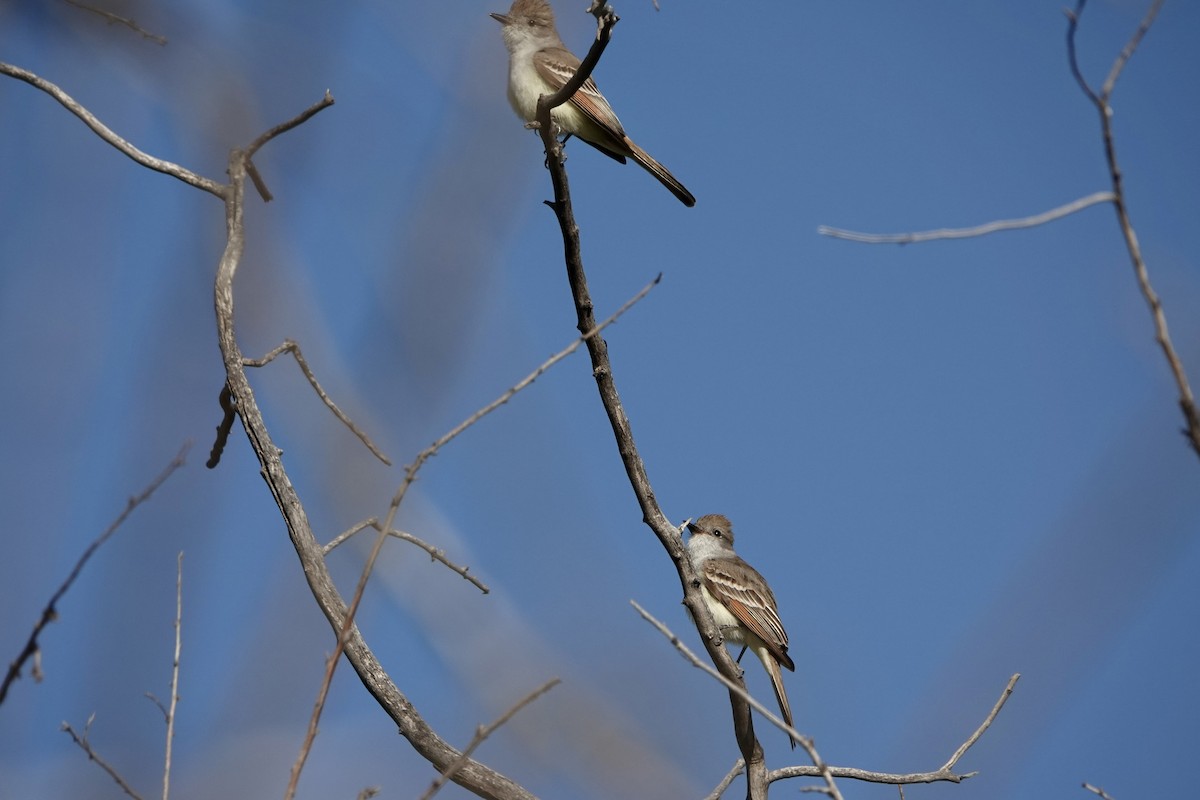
<point>105,133</point>
<point>472,775</point>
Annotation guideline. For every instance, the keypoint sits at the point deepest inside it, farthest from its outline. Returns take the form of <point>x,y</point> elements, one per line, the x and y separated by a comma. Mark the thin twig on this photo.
<point>1072,58</point>
<point>50,612</point>
<point>283,127</point>
<point>410,472</point>
<point>739,767</point>
<point>247,158</point>
<point>1127,51</point>
<point>260,185</point>
<point>92,755</point>
<point>157,703</point>
<point>103,131</point>
<point>966,233</point>
<point>174,676</point>
<point>435,553</point>
<point>330,668</point>
<point>291,346</point>
<point>1101,101</point>
<point>965,746</point>
<point>346,534</point>
<point>482,733</point>
<point>114,19</point>
<point>1096,790</point>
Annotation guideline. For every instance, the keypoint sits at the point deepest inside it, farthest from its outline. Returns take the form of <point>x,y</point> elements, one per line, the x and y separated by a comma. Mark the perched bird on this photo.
<point>539,63</point>
<point>740,601</point>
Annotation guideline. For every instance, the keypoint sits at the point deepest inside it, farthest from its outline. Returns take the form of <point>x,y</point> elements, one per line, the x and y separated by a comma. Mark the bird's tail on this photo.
<point>785,708</point>
<point>662,173</point>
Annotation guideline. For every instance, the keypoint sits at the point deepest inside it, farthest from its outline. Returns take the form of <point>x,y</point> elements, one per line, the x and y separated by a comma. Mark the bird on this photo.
<point>540,64</point>
<point>741,602</point>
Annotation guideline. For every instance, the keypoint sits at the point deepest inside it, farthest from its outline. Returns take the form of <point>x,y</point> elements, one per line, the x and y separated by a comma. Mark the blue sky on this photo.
<point>953,461</point>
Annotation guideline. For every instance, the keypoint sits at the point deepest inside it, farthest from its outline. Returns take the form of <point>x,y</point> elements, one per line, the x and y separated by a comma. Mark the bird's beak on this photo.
<point>691,526</point>
<point>503,19</point>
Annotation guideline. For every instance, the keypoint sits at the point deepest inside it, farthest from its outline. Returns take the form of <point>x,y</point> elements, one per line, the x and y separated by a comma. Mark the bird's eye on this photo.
<point>717,532</point>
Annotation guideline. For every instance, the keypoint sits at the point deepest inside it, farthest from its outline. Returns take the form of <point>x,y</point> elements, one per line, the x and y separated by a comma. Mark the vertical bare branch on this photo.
<point>1102,102</point>
<point>174,676</point>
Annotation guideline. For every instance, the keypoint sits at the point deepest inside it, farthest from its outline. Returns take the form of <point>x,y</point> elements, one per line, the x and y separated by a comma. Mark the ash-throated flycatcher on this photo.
<point>539,63</point>
<point>740,601</point>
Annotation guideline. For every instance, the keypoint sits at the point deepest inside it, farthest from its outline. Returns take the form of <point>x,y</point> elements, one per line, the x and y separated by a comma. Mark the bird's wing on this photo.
<point>739,587</point>
<point>556,66</point>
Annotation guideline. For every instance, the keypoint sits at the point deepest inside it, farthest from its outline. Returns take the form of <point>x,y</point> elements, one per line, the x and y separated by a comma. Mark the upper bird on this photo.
<point>539,63</point>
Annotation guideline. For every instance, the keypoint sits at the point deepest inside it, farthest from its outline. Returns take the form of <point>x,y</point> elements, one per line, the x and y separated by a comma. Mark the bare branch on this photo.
<point>435,553</point>
<point>291,346</point>
<point>259,184</point>
<point>410,472</point>
<point>174,676</point>
<point>1072,58</point>
<point>739,767</point>
<point>331,667</point>
<point>103,131</point>
<point>346,534</point>
<point>114,19</point>
<point>965,746</point>
<point>158,703</point>
<point>50,612</point>
<point>1129,48</point>
<point>482,733</point>
<point>1187,402</point>
<point>966,233</point>
<point>283,127</point>
<point>92,755</point>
